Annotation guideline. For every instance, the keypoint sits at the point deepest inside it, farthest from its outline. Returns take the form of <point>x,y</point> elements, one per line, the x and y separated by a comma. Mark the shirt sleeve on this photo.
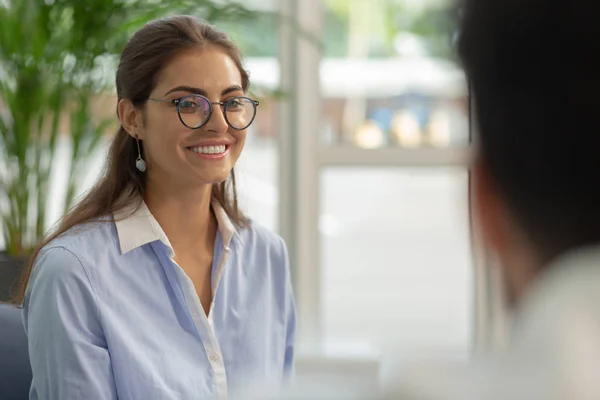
<point>67,348</point>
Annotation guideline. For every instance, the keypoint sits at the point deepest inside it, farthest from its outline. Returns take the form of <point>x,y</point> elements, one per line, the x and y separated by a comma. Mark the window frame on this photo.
<point>302,159</point>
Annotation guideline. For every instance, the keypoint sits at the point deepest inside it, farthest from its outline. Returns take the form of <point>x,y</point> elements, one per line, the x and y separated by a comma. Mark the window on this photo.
<point>382,243</point>
<point>388,78</point>
<point>396,259</point>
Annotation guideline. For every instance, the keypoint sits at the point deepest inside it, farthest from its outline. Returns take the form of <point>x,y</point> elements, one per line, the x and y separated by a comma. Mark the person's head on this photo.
<point>536,88</point>
<point>170,76</point>
<point>182,143</point>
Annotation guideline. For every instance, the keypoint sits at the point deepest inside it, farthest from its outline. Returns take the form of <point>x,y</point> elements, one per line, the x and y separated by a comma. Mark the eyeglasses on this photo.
<point>195,110</point>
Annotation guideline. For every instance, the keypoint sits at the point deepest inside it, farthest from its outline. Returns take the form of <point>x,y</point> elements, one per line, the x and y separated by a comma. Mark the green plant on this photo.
<point>51,58</point>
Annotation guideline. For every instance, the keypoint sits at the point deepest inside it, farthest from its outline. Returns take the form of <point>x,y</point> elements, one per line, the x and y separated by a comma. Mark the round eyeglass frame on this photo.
<point>224,104</point>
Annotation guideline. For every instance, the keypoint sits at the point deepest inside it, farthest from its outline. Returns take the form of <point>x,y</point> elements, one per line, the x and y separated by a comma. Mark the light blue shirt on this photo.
<point>110,315</point>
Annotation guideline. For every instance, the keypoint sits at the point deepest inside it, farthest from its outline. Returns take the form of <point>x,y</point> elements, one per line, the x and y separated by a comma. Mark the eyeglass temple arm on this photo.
<point>174,101</point>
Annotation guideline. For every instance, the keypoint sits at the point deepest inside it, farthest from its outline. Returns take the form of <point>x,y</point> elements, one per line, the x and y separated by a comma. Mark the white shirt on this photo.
<point>554,352</point>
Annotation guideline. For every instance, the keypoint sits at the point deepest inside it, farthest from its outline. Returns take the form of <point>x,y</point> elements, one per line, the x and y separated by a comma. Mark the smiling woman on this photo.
<point>173,145</point>
<point>155,285</point>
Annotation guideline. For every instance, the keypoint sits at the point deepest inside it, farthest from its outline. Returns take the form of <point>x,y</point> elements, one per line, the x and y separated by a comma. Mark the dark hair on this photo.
<point>536,87</point>
<point>146,54</point>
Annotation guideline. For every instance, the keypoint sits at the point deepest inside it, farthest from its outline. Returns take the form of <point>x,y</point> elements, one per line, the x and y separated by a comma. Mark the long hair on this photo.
<point>146,54</point>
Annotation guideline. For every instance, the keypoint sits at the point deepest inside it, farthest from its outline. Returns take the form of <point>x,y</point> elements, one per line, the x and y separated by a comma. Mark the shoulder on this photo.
<point>70,256</point>
<point>263,255</point>
<point>55,266</point>
<point>85,241</point>
<point>59,279</point>
<point>263,250</point>
<point>258,237</point>
<point>60,295</point>
<point>66,261</point>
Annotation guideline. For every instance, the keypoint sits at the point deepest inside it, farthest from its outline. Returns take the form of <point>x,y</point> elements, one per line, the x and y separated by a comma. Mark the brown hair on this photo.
<point>147,52</point>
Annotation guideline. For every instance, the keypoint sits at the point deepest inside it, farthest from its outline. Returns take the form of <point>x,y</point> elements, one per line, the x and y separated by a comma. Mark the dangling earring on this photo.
<point>140,164</point>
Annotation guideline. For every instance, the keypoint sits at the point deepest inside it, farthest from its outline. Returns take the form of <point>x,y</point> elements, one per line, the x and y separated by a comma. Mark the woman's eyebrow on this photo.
<point>189,89</point>
<point>195,90</point>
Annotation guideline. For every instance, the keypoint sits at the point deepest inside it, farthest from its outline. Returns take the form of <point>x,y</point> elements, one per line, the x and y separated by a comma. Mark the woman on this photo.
<point>155,286</point>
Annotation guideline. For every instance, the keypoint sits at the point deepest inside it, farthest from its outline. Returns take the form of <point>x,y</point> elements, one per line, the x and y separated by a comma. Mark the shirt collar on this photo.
<point>136,226</point>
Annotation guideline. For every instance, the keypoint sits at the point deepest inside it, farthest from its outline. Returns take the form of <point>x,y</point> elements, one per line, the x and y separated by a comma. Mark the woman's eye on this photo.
<point>233,104</point>
<point>188,104</point>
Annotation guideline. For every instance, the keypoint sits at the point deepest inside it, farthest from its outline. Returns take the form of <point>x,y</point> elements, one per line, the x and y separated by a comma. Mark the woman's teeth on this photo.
<point>209,149</point>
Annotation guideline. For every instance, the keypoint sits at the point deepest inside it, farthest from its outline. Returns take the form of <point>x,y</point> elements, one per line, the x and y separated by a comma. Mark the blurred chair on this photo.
<point>15,370</point>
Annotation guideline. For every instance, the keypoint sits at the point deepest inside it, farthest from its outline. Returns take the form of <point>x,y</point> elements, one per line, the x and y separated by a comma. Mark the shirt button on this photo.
<point>214,357</point>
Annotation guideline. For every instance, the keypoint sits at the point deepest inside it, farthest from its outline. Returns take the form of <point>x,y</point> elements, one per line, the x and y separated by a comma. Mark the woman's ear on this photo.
<point>131,118</point>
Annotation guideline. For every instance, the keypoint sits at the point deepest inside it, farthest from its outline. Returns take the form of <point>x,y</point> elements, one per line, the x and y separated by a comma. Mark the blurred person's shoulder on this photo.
<point>515,377</point>
<point>554,348</point>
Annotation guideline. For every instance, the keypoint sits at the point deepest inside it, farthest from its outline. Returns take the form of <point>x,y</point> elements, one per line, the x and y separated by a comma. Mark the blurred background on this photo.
<point>359,158</point>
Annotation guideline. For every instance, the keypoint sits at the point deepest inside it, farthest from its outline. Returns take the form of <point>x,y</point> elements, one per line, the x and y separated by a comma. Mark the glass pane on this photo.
<point>396,261</point>
<point>389,76</point>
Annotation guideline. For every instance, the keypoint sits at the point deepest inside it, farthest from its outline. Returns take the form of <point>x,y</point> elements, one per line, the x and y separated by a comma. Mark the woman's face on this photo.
<point>175,152</point>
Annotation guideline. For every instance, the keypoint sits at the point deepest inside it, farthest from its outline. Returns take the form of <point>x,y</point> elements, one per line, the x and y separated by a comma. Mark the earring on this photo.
<point>140,164</point>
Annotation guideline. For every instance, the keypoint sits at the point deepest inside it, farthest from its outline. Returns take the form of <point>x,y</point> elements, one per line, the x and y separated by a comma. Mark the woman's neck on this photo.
<point>184,215</point>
